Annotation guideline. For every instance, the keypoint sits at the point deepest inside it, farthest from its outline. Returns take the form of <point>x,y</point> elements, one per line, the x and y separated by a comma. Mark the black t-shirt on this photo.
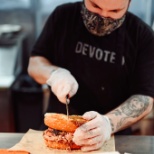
<point>109,69</point>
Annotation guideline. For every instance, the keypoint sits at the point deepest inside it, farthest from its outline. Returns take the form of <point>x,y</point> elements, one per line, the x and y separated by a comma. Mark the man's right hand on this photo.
<point>62,84</point>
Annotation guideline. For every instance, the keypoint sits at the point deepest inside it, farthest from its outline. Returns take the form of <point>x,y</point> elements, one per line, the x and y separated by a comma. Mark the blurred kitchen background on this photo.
<point>22,100</point>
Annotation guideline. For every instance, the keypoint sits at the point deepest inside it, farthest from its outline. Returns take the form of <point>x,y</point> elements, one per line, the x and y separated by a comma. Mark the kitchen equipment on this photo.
<point>67,102</point>
<point>8,28</point>
<point>8,33</point>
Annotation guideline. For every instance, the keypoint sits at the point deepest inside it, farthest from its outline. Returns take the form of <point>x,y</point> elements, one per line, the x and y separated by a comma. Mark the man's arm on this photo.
<point>60,80</point>
<point>132,110</point>
<point>40,69</point>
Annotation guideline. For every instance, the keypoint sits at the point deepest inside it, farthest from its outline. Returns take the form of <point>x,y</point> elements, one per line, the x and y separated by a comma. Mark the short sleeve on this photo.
<point>143,74</point>
<point>45,42</point>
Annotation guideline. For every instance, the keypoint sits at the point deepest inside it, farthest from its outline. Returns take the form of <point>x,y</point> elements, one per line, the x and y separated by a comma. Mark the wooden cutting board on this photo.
<point>33,142</point>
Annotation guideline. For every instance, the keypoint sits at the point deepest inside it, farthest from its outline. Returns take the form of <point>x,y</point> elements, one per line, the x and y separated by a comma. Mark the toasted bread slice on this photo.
<point>61,122</point>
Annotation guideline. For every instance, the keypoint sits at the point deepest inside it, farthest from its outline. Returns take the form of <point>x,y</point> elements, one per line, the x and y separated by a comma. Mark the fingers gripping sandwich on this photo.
<point>60,130</point>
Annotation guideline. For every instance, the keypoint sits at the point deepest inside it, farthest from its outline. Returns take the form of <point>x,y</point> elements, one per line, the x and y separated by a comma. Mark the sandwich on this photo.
<point>60,130</point>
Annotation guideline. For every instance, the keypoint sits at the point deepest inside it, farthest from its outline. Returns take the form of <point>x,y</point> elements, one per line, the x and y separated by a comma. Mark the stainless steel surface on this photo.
<point>135,144</point>
<point>8,140</point>
<point>8,56</point>
<point>12,60</point>
<point>67,103</point>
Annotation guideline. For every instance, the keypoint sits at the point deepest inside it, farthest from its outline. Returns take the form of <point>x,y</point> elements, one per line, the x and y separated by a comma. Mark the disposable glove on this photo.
<point>62,84</point>
<point>93,134</point>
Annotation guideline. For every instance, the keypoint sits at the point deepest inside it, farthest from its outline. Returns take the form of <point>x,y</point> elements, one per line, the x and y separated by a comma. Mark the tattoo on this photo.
<point>131,108</point>
<point>122,122</point>
<point>117,112</point>
<point>135,106</point>
<point>112,126</point>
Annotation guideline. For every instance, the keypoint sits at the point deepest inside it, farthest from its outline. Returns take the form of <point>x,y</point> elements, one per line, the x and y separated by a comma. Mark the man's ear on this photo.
<point>129,3</point>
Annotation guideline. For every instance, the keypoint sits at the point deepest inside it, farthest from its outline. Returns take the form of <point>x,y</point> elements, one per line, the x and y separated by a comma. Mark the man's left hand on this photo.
<point>93,134</point>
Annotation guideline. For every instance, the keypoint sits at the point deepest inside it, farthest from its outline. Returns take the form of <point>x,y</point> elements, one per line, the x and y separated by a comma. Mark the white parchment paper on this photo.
<point>33,142</point>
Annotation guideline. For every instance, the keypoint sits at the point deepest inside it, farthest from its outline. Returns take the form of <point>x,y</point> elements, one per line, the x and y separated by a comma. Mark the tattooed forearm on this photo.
<point>117,112</point>
<point>129,112</point>
<point>135,106</point>
<point>122,122</point>
<point>112,125</point>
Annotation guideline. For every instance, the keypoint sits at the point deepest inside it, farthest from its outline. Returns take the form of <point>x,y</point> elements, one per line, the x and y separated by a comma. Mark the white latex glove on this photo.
<point>62,84</point>
<point>93,134</point>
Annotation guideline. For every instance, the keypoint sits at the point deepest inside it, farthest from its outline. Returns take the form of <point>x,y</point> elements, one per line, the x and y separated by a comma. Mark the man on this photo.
<point>102,57</point>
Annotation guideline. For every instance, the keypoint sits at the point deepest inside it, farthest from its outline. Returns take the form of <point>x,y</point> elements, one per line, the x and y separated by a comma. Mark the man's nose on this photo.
<point>104,13</point>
